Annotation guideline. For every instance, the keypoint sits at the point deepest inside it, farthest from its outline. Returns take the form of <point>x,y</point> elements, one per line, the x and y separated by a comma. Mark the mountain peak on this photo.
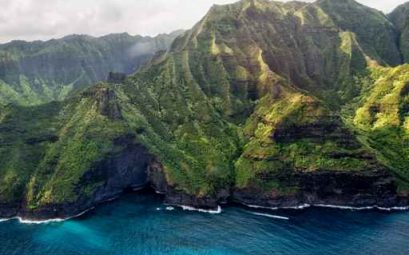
<point>339,2</point>
<point>400,15</point>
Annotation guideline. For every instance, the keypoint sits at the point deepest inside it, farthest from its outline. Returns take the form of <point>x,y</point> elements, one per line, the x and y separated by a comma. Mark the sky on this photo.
<point>46,19</point>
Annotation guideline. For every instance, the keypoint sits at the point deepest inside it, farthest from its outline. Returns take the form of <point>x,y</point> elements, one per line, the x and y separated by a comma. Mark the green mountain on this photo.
<point>399,17</point>
<point>264,103</point>
<point>38,72</point>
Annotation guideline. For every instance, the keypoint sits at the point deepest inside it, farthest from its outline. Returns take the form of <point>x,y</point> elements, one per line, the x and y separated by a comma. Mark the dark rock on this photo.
<point>107,103</point>
<point>331,188</point>
<point>41,139</point>
<point>157,177</point>
<point>117,78</point>
<point>9,210</point>
<point>125,170</point>
<point>324,129</point>
<point>173,196</point>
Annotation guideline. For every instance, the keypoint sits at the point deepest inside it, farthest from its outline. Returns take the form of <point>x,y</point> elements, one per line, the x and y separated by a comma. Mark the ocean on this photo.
<point>140,223</point>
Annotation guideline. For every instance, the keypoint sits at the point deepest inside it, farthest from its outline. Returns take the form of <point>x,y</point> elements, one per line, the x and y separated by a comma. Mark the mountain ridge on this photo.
<point>42,71</point>
<point>261,103</point>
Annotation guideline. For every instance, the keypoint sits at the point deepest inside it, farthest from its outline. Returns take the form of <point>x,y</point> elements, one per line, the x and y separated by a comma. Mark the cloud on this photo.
<point>45,19</point>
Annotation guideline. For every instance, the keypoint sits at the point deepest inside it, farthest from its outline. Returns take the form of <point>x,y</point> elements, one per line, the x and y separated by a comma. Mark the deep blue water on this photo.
<point>135,225</point>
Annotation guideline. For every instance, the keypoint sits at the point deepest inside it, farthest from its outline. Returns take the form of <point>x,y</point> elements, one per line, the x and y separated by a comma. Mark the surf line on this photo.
<point>303,206</point>
<point>55,220</point>
<point>402,208</point>
<point>271,216</point>
<point>218,210</point>
<point>299,207</point>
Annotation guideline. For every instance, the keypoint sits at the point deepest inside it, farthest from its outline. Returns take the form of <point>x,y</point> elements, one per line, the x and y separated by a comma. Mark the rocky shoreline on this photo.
<point>43,216</point>
<point>136,169</point>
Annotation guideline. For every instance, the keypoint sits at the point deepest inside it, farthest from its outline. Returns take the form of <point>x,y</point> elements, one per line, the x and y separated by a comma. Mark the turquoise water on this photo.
<point>140,224</point>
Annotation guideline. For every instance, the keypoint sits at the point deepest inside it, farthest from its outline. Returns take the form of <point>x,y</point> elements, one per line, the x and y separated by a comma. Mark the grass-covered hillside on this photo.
<point>262,99</point>
<point>33,73</point>
<point>382,116</point>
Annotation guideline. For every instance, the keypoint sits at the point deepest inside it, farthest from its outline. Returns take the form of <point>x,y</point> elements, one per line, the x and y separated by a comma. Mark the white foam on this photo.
<point>363,208</point>
<point>189,208</point>
<point>271,216</point>
<point>170,208</point>
<point>303,206</point>
<point>110,199</point>
<point>396,208</point>
<point>299,207</point>
<point>28,221</point>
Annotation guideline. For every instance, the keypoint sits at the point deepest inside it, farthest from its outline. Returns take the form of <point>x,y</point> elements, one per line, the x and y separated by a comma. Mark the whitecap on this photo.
<point>304,206</point>
<point>189,208</point>
<point>4,220</point>
<point>403,208</point>
<point>27,221</point>
<point>396,208</point>
<point>298,207</point>
<point>55,220</point>
<point>170,208</point>
<point>271,216</point>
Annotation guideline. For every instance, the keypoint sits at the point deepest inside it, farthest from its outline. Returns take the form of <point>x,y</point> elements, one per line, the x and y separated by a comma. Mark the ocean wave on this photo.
<point>303,206</point>
<point>189,208</point>
<point>27,221</point>
<point>271,216</point>
<point>299,207</point>
<point>55,220</point>
<point>170,208</point>
<point>403,208</point>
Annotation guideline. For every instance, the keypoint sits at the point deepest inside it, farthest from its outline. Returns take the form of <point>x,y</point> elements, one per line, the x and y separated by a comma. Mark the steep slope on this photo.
<point>298,151</point>
<point>244,107</point>
<point>374,32</point>
<point>38,72</point>
<point>381,115</point>
<point>400,18</point>
<point>102,141</point>
<point>306,44</point>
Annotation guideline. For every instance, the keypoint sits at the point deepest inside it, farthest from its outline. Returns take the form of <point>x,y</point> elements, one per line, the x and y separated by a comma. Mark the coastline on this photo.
<point>54,220</point>
<point>217,210</point>
<point>340,207</point>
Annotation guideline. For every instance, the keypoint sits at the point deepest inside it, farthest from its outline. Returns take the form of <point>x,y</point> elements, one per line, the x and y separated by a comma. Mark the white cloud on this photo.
<point>44,19</point>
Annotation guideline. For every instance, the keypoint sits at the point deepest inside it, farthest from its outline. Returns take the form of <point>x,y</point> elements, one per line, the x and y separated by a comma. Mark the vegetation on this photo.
<point>382,116</point>
<point>255,93</point>
<point>40,72</point>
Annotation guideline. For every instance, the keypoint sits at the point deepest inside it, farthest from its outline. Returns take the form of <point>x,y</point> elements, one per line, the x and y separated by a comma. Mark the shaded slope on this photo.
<point>251,41</point>
<point>400,18</point>
<point>38,72</point>
<point>375,33</point>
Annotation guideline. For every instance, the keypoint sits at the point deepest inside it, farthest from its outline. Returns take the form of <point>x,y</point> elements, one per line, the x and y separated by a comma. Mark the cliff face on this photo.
<point>263,103</point>
<point>399,17</point>
<point>354,189</point>
<point>39,72</point>
<point>106,180</point>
